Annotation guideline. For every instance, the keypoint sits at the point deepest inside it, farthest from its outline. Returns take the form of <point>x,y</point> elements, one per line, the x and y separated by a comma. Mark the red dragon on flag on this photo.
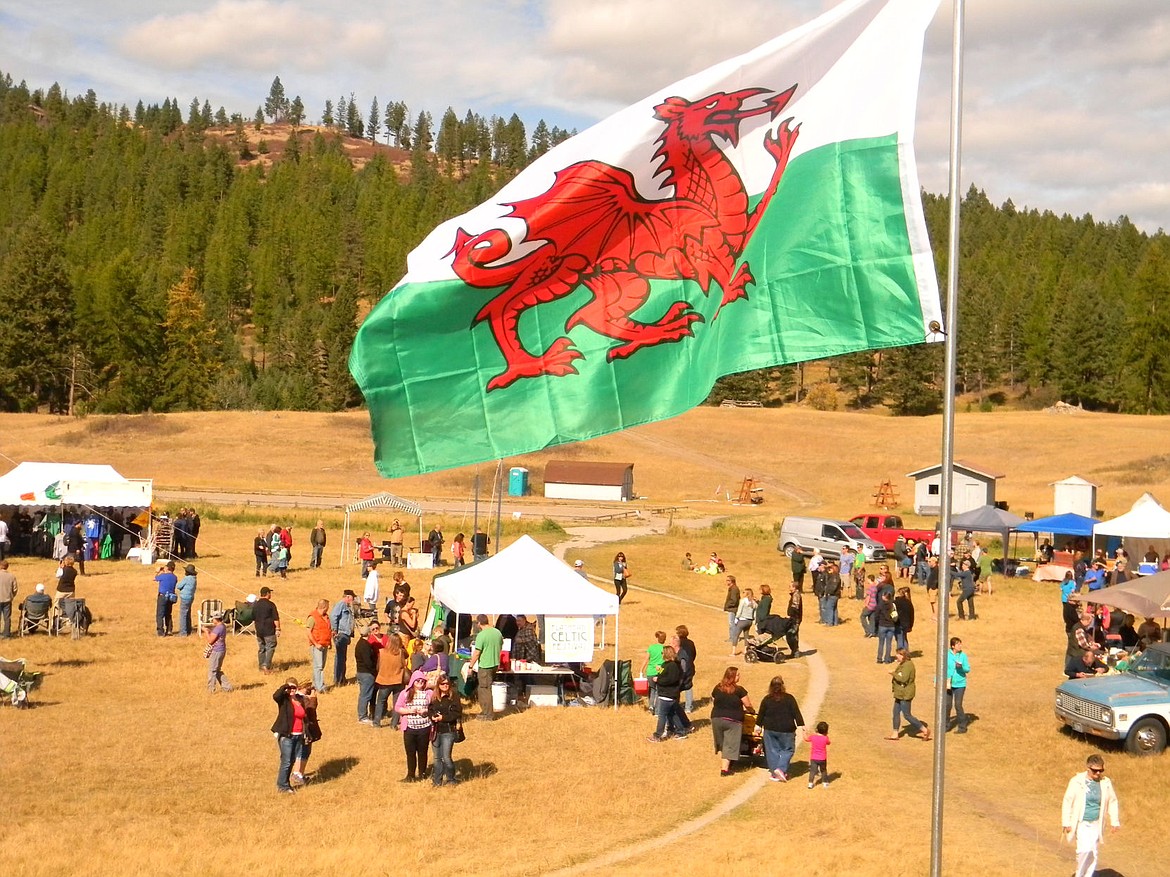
<point>593,228</point>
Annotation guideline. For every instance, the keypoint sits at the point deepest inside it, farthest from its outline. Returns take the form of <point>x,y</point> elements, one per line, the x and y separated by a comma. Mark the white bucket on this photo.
<point>147,557</point>
<point>499,696</point>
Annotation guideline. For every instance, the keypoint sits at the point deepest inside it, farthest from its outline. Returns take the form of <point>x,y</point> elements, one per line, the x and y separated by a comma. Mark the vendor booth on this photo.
<point>381,501</point>
<point>1062,527</point>
<point>525,579</point>
<point>40,500</point>
<point>1146,525</point>
<point>989,519</point>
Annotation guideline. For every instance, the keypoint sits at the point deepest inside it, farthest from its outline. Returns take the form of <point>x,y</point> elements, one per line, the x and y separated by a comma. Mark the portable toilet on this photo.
<point>518,481</point>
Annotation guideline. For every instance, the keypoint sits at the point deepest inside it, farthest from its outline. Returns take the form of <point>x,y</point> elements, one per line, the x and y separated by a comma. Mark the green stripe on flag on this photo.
<point>833,274</point>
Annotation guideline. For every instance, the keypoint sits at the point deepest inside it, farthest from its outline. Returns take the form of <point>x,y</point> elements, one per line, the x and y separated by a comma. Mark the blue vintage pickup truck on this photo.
<point>1133,706</point>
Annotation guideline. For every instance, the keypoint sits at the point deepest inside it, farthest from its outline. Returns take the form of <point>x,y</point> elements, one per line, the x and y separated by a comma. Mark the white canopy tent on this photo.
<point>1145,524</point>
<point>47,490</point>
<point>32,485</point>
<point>377,501</point>
<point>524,579</point>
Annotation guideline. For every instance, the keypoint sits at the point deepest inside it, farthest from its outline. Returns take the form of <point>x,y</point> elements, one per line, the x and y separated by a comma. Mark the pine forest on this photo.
<point>162,259</point>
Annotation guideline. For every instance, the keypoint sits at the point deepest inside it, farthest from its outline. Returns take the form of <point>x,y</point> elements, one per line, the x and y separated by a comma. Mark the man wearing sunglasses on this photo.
<point>1088,802</point>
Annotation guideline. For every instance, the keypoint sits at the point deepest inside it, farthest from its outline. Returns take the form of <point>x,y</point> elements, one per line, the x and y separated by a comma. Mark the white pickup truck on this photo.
<point>1133,706</point>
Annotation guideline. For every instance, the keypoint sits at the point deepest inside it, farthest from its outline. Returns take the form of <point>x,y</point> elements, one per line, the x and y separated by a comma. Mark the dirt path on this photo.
<point>814,699</point>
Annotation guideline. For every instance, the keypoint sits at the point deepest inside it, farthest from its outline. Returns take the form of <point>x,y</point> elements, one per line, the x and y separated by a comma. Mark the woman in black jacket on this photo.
<point>780,718</point>
<point>669,688</point>
<point>446,712</point>
<point>289,729</point>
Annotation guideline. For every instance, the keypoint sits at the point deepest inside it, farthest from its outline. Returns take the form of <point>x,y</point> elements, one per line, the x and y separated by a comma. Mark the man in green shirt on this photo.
<point>485,660</point>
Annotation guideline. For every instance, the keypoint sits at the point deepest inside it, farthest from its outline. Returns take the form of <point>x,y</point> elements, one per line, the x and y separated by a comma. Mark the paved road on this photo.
<point>528,507</point>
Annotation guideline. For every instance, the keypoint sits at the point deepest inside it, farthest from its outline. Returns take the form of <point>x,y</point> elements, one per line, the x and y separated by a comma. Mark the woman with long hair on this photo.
<point>667,708</point>
<point>391,679</point>
<point>446,711</point>
<point>459,550</point>
<point>745,613</point>
<point>728,701</point>
<point>904,690</point>
<point>414,706</point>
<point>621,575</point>
<point>289,730</point>
<point>780,718</point>
<point>312,731</point>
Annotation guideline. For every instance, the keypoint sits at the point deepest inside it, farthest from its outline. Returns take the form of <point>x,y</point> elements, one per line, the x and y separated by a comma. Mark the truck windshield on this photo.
<point>854,532</point>
<point>1155,664</point>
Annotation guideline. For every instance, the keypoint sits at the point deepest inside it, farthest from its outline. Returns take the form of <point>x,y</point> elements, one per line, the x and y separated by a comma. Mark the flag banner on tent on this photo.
<point>765,211</point>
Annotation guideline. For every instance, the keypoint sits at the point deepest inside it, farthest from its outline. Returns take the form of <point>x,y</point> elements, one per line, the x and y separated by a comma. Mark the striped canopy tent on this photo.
<point>378,501</point>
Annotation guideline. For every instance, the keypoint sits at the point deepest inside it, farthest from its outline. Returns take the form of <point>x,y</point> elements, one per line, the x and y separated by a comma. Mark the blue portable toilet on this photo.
<point>518,481</point>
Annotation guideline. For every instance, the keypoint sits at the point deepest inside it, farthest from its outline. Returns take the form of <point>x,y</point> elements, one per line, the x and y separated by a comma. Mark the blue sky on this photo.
<point>1067,102</point>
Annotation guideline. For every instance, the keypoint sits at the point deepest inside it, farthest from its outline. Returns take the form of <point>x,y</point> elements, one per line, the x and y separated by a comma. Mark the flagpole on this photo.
<point>950,341</point>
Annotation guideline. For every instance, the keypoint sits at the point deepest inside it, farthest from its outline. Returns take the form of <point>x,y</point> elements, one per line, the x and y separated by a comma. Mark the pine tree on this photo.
<point>36,300</point>
<point>276,104</point>
<point>296,112</point>
<point>421,138</point>
<point>353,119</point>
<point>327,114</point>
<point>191,360</point>
<point>1146,335</point>
<point>374,125</point>
<point>541,141</point>
<point>258,118</point>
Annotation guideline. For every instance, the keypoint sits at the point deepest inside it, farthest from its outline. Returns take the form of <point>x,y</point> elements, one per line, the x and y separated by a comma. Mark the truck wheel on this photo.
<point>788,549</point>
<point>1146,737</point>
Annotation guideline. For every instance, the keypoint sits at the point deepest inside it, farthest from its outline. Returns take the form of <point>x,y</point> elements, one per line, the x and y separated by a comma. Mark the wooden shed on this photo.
<point>565,479</point>
<point>973,486</point>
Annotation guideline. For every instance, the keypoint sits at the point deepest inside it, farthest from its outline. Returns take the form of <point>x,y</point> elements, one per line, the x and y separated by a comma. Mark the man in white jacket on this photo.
<point>1088,801</point>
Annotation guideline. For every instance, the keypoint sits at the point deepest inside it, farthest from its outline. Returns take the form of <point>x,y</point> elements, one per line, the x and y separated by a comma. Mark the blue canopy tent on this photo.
<point>1067,524</point>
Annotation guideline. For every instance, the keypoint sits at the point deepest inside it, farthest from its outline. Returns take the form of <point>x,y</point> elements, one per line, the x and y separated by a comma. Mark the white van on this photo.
<point>828,536</point>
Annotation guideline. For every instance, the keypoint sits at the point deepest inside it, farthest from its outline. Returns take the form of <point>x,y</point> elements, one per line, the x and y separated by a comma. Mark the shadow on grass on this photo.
<point>249,686</point>
<point>71,662</point>
<point>335,768</point>
<point>466,769</point>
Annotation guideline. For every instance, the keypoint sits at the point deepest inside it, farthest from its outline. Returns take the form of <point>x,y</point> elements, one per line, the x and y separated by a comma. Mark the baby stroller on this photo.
<point>16,682</point>
<point>763,645</point>
<point>751,743</point>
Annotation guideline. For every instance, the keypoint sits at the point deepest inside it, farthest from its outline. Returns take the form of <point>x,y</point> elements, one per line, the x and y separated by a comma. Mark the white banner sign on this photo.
<point>568,639</point>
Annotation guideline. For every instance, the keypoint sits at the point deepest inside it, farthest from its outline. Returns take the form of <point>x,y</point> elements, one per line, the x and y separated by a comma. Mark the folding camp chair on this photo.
<point>206,609</point>
<point>71,614</point>
<point>243,620</point>
<point>34,617</point>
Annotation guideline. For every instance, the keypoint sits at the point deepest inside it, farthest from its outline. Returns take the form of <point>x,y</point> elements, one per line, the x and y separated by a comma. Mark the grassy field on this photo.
<point>822,462</point>
<point>127,762</point>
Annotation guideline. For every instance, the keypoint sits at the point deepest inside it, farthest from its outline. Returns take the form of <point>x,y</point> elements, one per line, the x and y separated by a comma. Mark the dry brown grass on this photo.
<point>142,768</point>
<point>823,462</point>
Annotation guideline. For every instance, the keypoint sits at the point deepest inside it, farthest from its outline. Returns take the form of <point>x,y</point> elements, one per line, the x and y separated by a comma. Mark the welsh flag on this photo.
<point>765,211</point>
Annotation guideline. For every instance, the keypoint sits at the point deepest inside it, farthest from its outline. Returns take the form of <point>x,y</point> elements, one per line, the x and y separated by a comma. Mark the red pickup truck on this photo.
<point>887,528</point>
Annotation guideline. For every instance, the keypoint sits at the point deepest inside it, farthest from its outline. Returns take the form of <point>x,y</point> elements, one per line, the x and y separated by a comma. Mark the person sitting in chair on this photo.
<point>35,608</point>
